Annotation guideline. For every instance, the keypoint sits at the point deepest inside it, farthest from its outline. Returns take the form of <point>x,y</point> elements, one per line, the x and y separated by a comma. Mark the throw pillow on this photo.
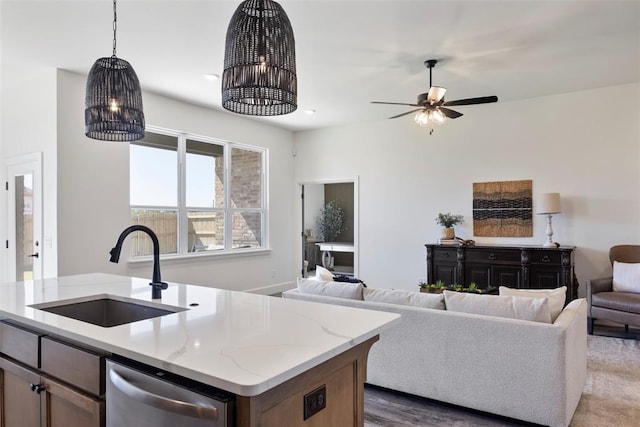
<point>626,277</point>
<point>323,274</point>
<point>555,296</point>
<point>523,308</point>
<point>330,289</point>
<point>415,299</point>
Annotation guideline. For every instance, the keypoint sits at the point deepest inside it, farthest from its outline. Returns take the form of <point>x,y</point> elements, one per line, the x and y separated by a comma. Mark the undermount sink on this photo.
<point>107,311</point>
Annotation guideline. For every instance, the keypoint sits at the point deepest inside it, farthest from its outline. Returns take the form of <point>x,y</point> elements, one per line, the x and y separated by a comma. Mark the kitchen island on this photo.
<point>269,352</point>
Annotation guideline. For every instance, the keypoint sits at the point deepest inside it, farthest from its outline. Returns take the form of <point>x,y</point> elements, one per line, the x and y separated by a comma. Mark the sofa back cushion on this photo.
<point>398,297</point>
<point>555,296</point>
<point>523,308</point>
<point>332,289</point>
<point>626,277</point>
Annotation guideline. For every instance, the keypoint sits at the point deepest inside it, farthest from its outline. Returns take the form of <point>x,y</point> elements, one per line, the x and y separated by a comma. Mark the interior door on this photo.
<point>24,188</point>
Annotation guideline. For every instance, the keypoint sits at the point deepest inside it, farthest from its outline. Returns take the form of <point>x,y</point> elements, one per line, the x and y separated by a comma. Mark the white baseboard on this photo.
<point>273,289</point>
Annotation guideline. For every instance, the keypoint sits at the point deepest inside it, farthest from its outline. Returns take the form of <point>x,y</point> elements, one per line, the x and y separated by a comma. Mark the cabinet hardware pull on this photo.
<point>164,403</point>
<point>546,259</point>
<point>38,388</point>
<point>492,256</point>
<point>36,255</point>
<point>445,255</point>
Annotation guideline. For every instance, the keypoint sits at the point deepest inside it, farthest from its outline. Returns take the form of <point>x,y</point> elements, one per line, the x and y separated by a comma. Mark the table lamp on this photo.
<point>548,204</point>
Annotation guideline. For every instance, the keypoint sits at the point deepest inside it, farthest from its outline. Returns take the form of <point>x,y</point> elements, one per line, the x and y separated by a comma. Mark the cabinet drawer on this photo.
<point>543,257</point>
<point>448,254</point>
<point>78,367</point>
<point>20,344</point>
<point>493,255</point>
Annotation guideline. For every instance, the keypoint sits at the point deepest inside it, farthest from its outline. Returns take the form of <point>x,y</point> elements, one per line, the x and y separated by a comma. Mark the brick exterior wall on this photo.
<point>245,187</point>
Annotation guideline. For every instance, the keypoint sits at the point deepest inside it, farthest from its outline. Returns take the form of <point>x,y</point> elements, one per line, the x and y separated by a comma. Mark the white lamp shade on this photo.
<point>549,203</point>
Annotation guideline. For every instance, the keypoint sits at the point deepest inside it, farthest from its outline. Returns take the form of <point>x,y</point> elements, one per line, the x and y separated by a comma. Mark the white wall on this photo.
<point>28,114</point>
<point>93,194</point>
<point>570,144</point>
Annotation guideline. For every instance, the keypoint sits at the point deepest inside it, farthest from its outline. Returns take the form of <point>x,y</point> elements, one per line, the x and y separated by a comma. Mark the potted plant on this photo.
<point>447,221</point>
<point>440,287</point>
<point>329,222</point>
<point>436,288</point>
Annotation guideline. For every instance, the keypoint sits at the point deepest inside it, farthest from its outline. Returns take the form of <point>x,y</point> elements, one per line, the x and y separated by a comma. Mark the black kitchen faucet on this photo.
<point>156,282</point>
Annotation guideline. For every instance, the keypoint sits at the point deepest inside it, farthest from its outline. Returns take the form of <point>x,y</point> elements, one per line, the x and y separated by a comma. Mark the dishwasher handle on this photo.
<point>171,405</point>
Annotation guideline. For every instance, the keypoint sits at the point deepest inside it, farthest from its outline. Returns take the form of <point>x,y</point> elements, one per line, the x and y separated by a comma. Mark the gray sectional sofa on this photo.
<point>521,369</point>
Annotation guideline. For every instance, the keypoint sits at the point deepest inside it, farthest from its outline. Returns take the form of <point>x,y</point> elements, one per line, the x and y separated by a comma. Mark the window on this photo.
<point>196,194</point>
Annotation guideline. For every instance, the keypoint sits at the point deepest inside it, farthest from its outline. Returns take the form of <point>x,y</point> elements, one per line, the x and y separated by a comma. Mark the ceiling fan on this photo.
<point>432,108</point>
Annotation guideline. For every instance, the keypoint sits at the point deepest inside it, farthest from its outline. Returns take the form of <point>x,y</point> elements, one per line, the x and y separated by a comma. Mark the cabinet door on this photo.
<point>509,276</point>
<point>446,273</point>
<point>544,277</point>
<point>64,406</point>
<point>20,404</point>
<point>478,274</point>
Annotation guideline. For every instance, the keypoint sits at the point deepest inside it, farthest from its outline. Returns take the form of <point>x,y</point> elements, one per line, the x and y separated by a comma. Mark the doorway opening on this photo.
<point>340,255</point>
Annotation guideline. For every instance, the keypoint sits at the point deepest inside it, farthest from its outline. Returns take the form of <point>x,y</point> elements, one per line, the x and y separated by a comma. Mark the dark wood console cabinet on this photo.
<point>526,267</point>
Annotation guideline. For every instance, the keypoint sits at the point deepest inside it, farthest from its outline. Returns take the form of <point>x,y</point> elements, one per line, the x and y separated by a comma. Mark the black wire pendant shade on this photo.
<point>259,76</point>
<point>113,101</point>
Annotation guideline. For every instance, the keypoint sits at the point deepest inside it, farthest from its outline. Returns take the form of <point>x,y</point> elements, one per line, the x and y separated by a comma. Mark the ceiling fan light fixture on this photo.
<point>259,77</point>
<point>113,99</point>
<point>429,117</point>
<point>432,108</point>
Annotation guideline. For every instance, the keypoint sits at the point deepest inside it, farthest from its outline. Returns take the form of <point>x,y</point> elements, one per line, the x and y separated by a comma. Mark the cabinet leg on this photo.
<point>590,325</point>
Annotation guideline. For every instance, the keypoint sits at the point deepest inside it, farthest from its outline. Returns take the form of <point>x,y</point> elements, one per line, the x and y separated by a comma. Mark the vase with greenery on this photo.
<point>329,222</point>
<point>447,221</point>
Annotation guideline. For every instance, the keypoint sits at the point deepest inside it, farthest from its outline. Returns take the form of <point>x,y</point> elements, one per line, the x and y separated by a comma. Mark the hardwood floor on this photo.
<point>386,408</point>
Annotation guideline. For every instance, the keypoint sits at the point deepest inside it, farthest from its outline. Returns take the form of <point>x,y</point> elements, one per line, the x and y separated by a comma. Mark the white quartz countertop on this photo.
<point>240,342</point>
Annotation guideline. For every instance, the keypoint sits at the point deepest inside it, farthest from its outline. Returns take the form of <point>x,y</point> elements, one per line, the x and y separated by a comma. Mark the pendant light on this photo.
<point>113,102</point>
<point>259,77</point>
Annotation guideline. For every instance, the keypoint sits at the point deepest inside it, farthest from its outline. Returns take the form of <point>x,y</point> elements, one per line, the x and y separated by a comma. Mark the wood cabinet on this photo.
<point>527,267</point>
<point>341,380</point>
<point>45,381</point>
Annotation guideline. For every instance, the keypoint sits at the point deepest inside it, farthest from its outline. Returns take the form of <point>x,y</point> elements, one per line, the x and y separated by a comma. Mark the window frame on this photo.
<point>227,210</point>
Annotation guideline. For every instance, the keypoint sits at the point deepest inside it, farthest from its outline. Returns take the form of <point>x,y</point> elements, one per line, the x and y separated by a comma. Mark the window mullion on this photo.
<point>228,215</point>
<point>183,225</point>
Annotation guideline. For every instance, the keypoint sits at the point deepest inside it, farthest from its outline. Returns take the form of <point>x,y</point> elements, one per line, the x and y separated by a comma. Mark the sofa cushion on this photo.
<point>523,308</point>
<point>323,274</point>
<point>626,277</point>
<point>398,297</point>
<point>332,289</point>
<point>619,301</point>
<point>555,296</point>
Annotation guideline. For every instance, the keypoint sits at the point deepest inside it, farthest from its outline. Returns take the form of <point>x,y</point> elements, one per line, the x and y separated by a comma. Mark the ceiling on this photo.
<point>349,52</point>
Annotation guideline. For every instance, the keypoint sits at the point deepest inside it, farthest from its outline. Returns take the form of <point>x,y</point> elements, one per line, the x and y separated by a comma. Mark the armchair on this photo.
<point>606,304</point>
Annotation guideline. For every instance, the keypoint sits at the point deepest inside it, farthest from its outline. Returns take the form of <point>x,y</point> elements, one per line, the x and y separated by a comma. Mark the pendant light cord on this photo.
<point>115,27</point>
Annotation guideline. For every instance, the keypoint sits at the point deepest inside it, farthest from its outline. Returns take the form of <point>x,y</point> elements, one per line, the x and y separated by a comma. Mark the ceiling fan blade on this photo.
<point>471,101</point>
<point>394,103</point>
<point>436,94</point>
<point>450,113</point>
<point>404,114</point>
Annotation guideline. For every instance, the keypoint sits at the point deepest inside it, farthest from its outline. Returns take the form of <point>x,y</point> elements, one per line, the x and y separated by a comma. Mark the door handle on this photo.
<point>36,255</point>
<point>160,402</point>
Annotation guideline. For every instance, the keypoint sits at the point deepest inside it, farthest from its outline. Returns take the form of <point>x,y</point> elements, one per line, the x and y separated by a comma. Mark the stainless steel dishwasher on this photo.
<point>139,395</point>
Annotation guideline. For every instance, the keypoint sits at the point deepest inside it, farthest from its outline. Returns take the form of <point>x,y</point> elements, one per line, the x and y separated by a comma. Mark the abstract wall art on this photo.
<point>502,209</point>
